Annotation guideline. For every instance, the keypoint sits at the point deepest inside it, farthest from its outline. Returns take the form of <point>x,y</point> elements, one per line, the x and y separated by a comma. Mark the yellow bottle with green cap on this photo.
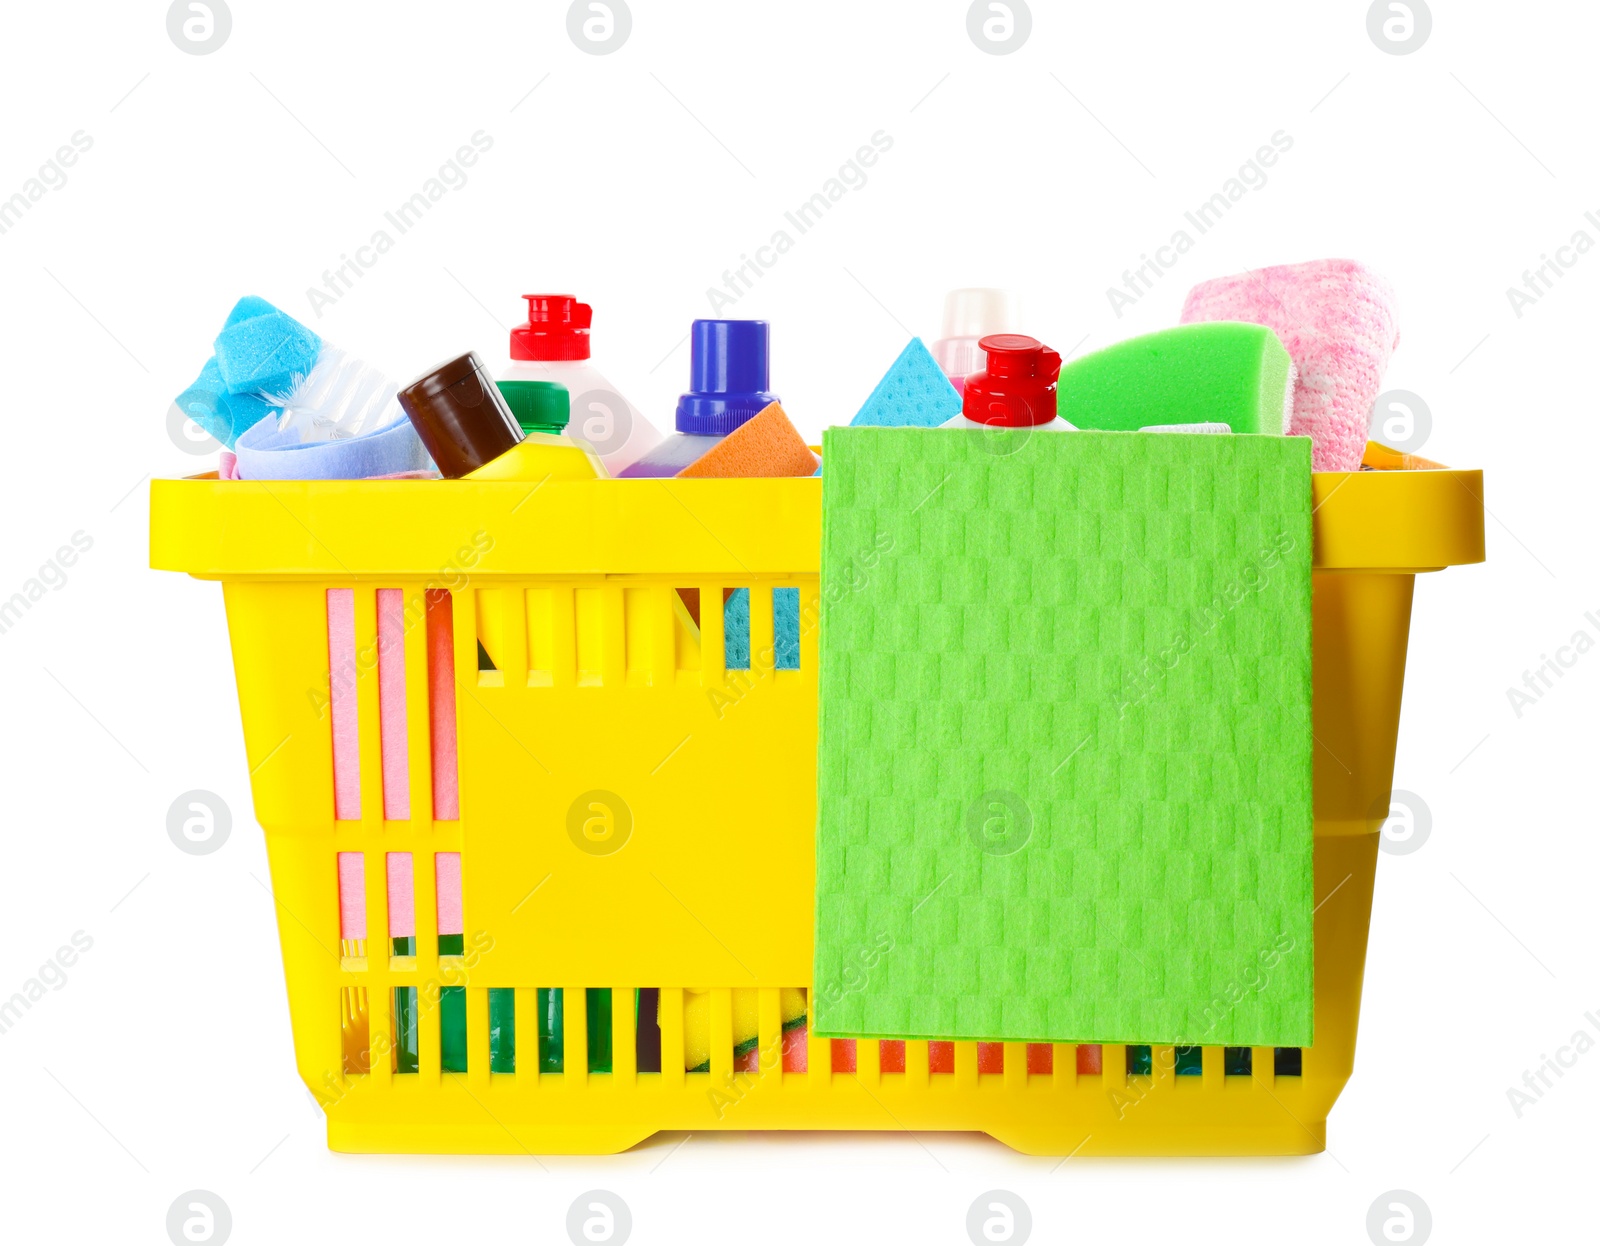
<point>541,410</point>
<point>537,406</point>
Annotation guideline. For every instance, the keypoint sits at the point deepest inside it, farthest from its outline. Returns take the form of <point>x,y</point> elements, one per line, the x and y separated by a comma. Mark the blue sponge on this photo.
<point>259,353</point>
<point>247,308</point>
<point>785,629</point>
<point>223,415</point>
<point>199,402</point>
<point>261,349</point>
<point>914,393</point>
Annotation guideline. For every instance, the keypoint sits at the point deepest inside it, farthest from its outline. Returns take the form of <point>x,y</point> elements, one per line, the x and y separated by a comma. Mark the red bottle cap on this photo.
<point>1018,388</point>
<point>557,328</point>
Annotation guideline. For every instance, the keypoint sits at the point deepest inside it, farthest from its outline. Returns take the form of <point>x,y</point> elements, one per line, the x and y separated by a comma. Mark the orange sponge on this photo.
<point>764,445</point>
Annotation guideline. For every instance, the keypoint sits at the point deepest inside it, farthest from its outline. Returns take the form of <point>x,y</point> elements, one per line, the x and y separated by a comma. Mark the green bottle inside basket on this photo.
<point>452,1016</point>
<point>552,1029</point>
<point>502,1023</point>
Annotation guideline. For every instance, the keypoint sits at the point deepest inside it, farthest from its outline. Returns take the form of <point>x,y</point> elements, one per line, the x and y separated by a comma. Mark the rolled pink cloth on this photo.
<point>1336,318</point>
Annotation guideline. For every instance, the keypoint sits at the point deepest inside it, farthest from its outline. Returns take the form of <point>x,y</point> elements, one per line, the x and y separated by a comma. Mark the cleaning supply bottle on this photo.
<point>537,406</point>
<point>1016,390</point>
<point>469,430</point>
<point>553,345</point>
<point>970,315</point>
<point>728,379</point>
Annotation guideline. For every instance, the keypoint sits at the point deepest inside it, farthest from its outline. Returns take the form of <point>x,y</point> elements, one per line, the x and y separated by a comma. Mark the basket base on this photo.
<point>385,1139</point>
<point>1241,1117</point>
<point>1291,1138</point>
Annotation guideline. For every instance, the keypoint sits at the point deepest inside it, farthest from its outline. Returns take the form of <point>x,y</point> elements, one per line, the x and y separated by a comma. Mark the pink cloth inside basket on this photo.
<point>402,897</point>
<point>392,703</point>
<point>1336,318</point>
<point>352,896</point>
<point>442,705</point>
<point>342,703</point>
<point>447,889</point>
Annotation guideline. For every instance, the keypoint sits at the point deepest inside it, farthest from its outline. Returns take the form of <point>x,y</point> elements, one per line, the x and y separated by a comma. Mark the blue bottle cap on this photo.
<point>727,376</point>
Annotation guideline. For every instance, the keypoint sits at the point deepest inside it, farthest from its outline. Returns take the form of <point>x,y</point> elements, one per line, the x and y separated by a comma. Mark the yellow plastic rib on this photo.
<point>575,1037</point>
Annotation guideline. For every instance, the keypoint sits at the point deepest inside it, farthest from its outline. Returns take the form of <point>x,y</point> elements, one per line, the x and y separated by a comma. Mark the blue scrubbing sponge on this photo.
<point>223,415</point>
<point>914,393</point>
<point>248,308</point>
<point>261,352</point>
<point>260,349</point>
<point>199,402</point>
<point>243,412</point>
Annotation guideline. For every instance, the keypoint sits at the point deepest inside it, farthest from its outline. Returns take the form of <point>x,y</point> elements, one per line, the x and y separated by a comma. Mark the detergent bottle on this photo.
<point>728,377</point>
<point>553,345</point>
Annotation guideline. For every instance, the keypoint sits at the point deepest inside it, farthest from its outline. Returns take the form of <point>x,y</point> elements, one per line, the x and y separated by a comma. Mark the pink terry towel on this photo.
<point>1336,319</point>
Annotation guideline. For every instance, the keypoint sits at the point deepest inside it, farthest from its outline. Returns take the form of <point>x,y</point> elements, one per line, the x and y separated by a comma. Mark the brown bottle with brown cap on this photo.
<point>463,420</point>
<point>460,416</point>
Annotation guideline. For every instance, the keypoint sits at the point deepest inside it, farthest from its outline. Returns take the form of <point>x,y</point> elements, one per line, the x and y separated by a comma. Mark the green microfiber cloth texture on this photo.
<point>1228,373</point>
<point>1064,766</point>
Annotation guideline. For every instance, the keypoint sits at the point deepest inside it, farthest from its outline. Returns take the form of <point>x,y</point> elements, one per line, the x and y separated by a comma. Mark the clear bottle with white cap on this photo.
<point>970,315</point>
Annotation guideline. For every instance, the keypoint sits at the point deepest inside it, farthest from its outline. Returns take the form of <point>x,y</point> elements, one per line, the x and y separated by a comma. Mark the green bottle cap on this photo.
<point>539,406</point>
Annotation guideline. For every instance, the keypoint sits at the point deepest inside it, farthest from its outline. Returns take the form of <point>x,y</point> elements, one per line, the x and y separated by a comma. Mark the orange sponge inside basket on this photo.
<point>764,445</point>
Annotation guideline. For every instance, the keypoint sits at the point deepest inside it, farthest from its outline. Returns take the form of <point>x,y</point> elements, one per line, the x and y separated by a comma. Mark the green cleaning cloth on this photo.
<point>1064,767</point>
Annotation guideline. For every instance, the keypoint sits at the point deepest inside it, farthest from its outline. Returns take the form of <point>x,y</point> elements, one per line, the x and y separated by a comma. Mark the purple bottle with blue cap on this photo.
<point>727,385</point>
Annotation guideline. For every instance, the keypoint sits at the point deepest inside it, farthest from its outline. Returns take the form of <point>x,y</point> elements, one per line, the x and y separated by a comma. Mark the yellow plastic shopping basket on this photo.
<point>606,719</point>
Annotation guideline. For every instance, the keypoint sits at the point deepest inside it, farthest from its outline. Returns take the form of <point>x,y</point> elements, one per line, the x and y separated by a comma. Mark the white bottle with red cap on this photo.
<point>554,346</point>
<point>1016,390</point>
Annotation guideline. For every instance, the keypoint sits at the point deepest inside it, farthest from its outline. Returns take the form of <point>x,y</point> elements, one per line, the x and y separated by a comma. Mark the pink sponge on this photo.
<point>1336,319</point>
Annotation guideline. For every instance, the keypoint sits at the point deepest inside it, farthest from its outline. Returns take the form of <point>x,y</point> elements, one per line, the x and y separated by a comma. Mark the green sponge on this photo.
<point>1220,371</point>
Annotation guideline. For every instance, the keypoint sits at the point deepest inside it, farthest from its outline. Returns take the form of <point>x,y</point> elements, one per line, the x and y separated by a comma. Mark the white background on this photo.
<point>635,179</point>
